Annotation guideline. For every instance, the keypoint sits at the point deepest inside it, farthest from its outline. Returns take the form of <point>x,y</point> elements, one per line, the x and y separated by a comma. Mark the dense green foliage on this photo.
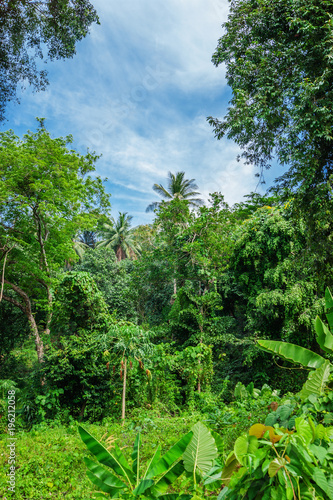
<point>101,322</point>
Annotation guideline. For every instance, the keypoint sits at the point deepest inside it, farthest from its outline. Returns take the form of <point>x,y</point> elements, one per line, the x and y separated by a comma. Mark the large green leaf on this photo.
<point>103,479</point>
<point>136,458</point>
<point>165,462</point>
<point>324,336</point>
<point>104,457</point>
<point>143,486</point>
<point>170,477</point>
<point>293,353</point>
<point>154,460</point>
<point>329,307</point>
<point>316,381</point>
<point>201,452</point>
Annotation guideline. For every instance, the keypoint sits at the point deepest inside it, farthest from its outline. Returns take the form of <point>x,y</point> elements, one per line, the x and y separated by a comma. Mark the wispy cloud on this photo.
<point>138,92</point>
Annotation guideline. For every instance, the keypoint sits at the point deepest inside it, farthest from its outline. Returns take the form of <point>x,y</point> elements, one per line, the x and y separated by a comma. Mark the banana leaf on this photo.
<point>136,458</point>
<point>316,381</point>
<point>165,462</point>
<point>329,307</point>
<point>170,477</point>
<point>324,336</point>
<point>103,479</point>
<point>293,353</point>
<point>154,460</point>
<point>104,457</point>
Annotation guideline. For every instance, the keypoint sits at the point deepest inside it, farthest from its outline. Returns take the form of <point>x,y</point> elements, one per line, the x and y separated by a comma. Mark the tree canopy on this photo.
<point>46,196</point>
<point>279,64</point>
<point>33,29</point>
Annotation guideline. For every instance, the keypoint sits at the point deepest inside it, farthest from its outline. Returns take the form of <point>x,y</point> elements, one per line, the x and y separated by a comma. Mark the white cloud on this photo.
<point>138,91</point>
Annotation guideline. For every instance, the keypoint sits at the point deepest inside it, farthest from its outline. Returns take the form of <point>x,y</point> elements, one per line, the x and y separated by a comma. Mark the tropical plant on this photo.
<point>127,481</point>
<point>269,463</point>
<point>201,453</point>
<point>178,187</point>
<point>322,367</point>
<point>120,236</point>
<point>133,344</point>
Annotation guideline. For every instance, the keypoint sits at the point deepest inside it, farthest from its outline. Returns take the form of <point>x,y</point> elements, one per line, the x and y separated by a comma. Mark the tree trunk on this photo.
<point>26,309</point>
<point>123,401</point>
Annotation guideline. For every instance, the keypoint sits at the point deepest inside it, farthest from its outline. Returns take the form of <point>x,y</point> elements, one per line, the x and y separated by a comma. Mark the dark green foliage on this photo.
<point>113,279</point>
<point>75,367</point>
<point>79,306</point>
<point>279,66</point>
<point>29,30</point>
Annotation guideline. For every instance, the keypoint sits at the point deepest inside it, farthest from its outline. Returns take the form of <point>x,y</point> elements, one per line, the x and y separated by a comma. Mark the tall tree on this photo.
<point>178,187</point>
<point>51,26</point>
<point>120,237</point>
<point>46,196</point>
<point>279,63</point>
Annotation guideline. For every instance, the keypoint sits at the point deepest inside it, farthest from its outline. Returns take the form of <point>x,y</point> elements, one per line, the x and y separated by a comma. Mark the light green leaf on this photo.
<point>201,452</point>
<point>103,456</point>
<point>136,457</point>
<point>324,336</point>
<point>275,466</point>
<point>329,307</point>
<point>293,353</point>
<point>143,486</point>
<point>316,381</point>
<point>165,462</point>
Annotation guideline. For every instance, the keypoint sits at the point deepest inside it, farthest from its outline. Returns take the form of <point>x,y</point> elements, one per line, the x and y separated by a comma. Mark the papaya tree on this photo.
<point>133,344</point>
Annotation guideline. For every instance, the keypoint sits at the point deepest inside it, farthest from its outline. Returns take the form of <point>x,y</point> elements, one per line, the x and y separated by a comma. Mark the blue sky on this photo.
<point>138,92</point>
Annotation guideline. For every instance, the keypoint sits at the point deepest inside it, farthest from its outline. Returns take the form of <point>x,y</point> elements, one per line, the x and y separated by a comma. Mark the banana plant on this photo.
<point>321,367</point>
<point>129,481</point>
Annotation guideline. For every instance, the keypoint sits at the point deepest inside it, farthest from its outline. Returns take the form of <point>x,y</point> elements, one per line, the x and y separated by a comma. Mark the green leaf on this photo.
<point>170,477</point>
<point>316,381</point>
<point>201,452</point>
<point>170,457</point>
<point>293,353</point>
<point>154,460</point>
<point>275,466</point>
<point>218,441</point>
<point>143,486</point>
<point>324,336</point>
<point>112,482</point>
<point>103,456</point>
<point>136,458</point>
<point>304,430</point>
<point>245,445</point>
<point>329,307</point>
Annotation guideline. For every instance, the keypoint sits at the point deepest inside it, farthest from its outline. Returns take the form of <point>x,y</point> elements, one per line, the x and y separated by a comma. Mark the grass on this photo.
<point>49,460</point>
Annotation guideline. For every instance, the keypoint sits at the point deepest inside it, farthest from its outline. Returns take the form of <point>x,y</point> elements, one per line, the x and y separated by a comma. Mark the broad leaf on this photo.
<point>164,463</point>
<point>170,477</point>
<point>329,307</point>
<point>201,452</point>
<point>136,457</point>
<point>316,381</point>
<point>293,353</point>
<point>103,456</point>
<point>324,336</point>
<point>154,460</point>
<point>143,486</point>
<point>103,479</point>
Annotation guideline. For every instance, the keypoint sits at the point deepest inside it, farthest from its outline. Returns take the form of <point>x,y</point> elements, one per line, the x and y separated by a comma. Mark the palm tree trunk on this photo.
<point>123,402</point>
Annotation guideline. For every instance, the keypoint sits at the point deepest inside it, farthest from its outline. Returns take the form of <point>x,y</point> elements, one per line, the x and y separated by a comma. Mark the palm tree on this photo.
<point>178,187</point>
<point>87,239</point>
<point>119,236</point>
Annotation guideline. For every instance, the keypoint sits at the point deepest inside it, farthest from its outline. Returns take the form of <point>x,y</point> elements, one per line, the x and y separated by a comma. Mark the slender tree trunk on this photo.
<point>26,309</point>
<point>123,401</point>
